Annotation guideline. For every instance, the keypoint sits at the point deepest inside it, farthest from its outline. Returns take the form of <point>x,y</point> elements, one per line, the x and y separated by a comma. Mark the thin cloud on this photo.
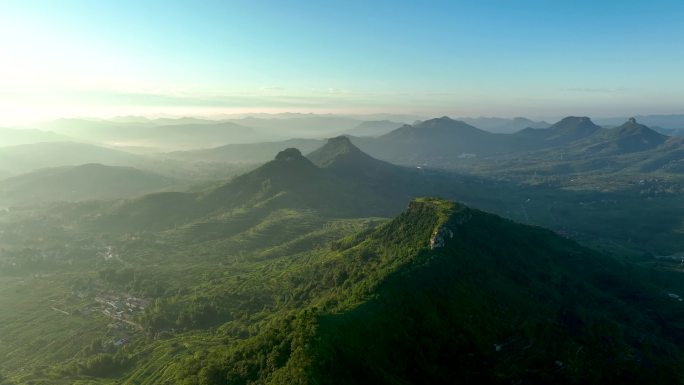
<point>597,90</point>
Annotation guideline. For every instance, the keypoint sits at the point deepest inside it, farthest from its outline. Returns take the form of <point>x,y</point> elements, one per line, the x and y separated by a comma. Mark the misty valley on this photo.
<point>335,249</point>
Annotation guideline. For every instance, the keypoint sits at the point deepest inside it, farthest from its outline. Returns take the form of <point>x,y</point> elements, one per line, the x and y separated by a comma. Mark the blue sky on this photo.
<point>460,58</point>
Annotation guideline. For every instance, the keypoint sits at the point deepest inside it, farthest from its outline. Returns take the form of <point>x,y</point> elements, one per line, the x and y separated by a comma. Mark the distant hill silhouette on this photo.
<point>627,138</point>
<point>251,152</point>
<point>373,128</point>
<point>503,125</point>
<point>78,183</point>
<point>433,141</point>
<point>29,157</point>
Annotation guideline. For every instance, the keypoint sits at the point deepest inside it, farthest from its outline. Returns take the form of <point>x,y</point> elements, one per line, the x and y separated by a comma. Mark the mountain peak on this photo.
<point>574,120</point>
<point>340,141</point>
<point>632,126</point>
<point>627,138</point>
<point>337,149</point>
<point>287,167</point>
<point>342,156</point>
<point>444,125</point>
<point>575,127</point>
<point>289,154</point>
<point>444,120</point>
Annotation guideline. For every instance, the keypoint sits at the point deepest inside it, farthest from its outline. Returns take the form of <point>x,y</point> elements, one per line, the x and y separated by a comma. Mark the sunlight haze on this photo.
<point>496,58</point>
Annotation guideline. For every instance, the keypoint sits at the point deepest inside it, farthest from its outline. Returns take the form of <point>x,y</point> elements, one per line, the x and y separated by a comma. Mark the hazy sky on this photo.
<point>543,58</point>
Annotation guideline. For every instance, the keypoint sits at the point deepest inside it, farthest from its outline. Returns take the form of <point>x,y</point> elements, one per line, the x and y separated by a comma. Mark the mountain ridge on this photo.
<point>486,306</point>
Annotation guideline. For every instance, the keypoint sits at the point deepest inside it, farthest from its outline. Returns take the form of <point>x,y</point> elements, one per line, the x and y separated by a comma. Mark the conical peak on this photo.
<point>444,120</point>
<point>335,147</point>
<point>575,125</point>
<point>340,141</point>
<point>289,154</point>
<point>632,125</point>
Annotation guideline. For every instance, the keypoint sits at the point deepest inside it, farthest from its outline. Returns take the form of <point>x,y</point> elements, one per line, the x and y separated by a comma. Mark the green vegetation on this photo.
<point>295,297</point>
<point>293,273</point>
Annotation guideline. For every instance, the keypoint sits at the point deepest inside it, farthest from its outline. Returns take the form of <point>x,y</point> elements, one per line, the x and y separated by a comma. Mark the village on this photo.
<point>120,309</point>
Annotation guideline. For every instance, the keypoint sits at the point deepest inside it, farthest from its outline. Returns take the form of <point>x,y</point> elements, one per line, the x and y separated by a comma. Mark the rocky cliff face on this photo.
<point>440,236</point>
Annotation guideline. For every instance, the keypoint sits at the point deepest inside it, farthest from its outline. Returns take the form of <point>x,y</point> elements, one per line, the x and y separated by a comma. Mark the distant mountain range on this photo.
<point>359,184</point>
<point>145,135</point>
<point>161,134</point>
<point>503,125</point>
<point>373,128</point>
<point>627,138</point>
<point>666,122</point>
<point>15,136</point>
<point>494,125</point>
<point>573,144</point>
<point>29,157</point>
<point>79,183</point>
<point>445,292</point>
<point>445,142</point>
<point>299,276</point>
<point>434,141</point>
<point>337,172</point>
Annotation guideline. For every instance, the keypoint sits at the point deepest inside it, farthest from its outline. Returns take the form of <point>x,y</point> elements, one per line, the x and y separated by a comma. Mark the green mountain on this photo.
<point>341,156</point>
<point>572,128</point>
<point>78,183</point>
<point>290,177</point>
<point>432,142</point>
<point>448,143</point>
<point>351,184</point>
<point>616,157</point>
<point>669,157</point>
<point>627,138</point>
<point>445,142</point>
<point>340,180</point>
<point>563,133</point>
<point>447,294</point>
<point>666,122</point>
<point>286,275</point>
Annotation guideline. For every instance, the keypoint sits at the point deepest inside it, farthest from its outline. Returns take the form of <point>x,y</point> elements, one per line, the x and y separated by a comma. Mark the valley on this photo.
<point>327,246</point>
<point>341,193</point>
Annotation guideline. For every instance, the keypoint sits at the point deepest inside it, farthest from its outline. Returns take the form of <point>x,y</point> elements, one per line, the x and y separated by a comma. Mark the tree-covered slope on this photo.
<point>348,186</point>
<point>444,294</point>
<point>627,138</point>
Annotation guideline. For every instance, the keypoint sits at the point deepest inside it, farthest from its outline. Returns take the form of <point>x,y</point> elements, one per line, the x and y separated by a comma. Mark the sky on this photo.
<point>542,58</point>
